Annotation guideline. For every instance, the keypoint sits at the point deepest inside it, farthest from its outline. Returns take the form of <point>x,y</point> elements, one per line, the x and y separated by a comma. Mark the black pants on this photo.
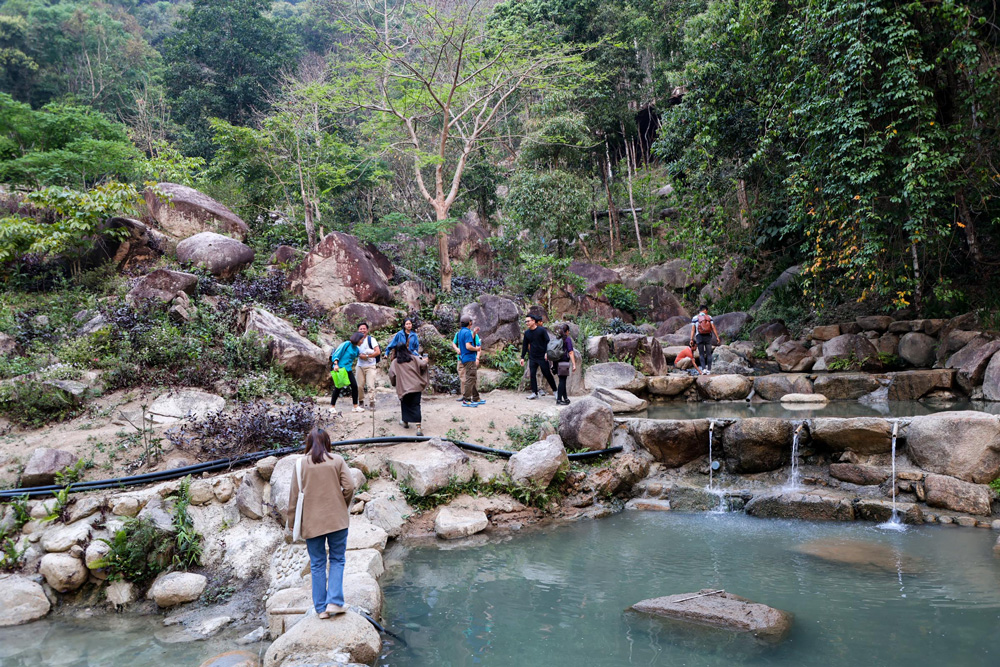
<point>704,351</point>
<point>354,390</point>
<point>409,408</point>
<point>534,366</point>
<point>561,391</point>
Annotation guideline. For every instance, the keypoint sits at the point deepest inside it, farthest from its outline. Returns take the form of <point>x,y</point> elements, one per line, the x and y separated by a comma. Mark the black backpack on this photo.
<point>378,357</point>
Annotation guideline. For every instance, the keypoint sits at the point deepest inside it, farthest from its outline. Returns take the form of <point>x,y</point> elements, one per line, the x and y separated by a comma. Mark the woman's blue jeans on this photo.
<point>327,589</point>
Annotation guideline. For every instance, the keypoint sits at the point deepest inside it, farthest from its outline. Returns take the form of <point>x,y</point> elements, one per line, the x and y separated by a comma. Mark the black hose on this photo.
<point>223,464</point>
<point>379,627</point>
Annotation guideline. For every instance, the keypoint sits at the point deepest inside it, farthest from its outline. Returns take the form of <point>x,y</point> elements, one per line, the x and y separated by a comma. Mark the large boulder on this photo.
<point>659,303</point>
<point>63,572</point>
<point>431,466</point>
<point>340,270</point>
<point>174,588</point>
<point>954,494</point>
<point>794,505</point>
<point>757,444</point>
<point>670,385</point>
<point>845,386</point>
<point>386,509</point>
<point>586,424</point>
<point>672,442</point>
<point>281,487</point>
<point>724,387</point>
<point>313,641</point>
<point>497,319</point>
<point>162,286</point>
<point>595,276</point>
<point>299,356</point>
<point>43,465</point>
<point>644,352</point>
<point>599,348</point>
<point>853,349</point>
<point>965,445</point>
<point>725,283</point>
<point>620,400</point>
<point>453,523</point>
<point>537,464</point>
<point>864,435</point>
<point>183,404</point>
<point>792,356</point>
<point>917,349</point>
<point>182,212</point>
<point>972,362</point>
<point>914,385</point>
<point>729,325</point>
<point>467,240</point>
<point>773,387</point>
<point>991,380</point>
<point>614,375</point>
<point>220,255</point>
<point>730,360</point>
<point>21,600</point>
<point>250,496</point>
<point>377,317</point>
<point>769,332</point>
<point>675,274</point>
<point>721,610</point>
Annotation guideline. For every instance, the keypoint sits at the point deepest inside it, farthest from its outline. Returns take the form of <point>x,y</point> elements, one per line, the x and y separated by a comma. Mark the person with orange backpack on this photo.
<point>702,330</point>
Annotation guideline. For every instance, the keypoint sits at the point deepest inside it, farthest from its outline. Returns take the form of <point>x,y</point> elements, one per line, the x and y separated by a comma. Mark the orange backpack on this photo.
<point>704,323</point>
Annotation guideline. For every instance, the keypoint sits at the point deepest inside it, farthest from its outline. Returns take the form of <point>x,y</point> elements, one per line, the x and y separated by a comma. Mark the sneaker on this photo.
<point>532,397</point>
<point>358,409</point>
<point>470,404</point>
<point>541,392</point>
<point>481,402</point>
<point>420,433</point>
<point>459,399</point>
<point>404,424</point>
<point>334,609</point>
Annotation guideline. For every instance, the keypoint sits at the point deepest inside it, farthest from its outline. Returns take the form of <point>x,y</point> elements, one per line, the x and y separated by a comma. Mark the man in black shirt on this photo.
<point>536,339</point>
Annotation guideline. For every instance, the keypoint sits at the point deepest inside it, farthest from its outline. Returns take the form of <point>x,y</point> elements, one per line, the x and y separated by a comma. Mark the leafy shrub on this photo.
<point>187,541</point>
<point>443,380</point>
<point>995,485</point>
<point>139,551</point>
<point>621,297</point>
<point>251,427</point>
<point>530,430</point>
<point>10,555</point>
<point>32,403</point>
<point>506,359</point>
<point>616,325</point>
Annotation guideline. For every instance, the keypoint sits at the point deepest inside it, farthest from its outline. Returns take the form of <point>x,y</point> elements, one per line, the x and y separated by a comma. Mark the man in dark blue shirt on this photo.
<point>468,354</point>
<point>536,340</point>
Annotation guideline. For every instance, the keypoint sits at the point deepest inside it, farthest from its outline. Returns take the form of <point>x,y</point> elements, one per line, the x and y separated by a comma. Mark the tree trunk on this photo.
<point>744,201</point>
<point>916,277</point>
<point>965,219</point>
<point>443,259</point>
<point>629,155</point>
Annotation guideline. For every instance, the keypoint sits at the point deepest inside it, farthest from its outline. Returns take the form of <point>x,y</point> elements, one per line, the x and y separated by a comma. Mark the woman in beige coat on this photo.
<point>327,490</point>
<point>409,375</point>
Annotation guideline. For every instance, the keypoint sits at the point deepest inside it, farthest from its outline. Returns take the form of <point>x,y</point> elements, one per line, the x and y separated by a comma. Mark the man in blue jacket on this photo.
<point>468,354</point>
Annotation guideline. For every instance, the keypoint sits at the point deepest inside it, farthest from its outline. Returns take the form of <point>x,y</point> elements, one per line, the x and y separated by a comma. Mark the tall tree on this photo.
<point>225,60</point>
<point>439,79</point>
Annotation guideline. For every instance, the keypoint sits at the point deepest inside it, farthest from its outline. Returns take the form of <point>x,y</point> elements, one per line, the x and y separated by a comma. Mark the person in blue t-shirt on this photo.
<point>468,355</point>
<point>406,335</point>
<point>458,356</point>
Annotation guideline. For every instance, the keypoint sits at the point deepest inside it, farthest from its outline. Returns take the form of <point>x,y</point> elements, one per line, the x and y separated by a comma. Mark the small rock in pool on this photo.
<point>860,554</point>
<point>721,610</point>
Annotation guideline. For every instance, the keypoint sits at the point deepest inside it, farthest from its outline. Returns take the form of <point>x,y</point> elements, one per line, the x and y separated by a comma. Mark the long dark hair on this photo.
<point>318,445</point>
<point>563,330</point>
<point>356,338</point>
<point>403,353</point>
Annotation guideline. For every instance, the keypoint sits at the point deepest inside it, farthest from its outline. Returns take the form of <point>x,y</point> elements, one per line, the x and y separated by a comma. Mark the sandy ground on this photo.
<point>102,435</point>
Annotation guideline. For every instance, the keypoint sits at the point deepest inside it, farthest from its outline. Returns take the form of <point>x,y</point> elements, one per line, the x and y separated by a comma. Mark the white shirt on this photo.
<point>367,346</point>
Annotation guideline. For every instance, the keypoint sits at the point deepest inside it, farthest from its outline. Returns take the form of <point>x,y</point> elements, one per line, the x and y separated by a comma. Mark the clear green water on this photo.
<point>742,409</point>
<point>557,598</point>
<point>108,640</point>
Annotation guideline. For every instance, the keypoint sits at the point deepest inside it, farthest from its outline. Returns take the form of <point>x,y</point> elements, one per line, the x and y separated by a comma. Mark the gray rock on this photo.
<point>864,435</point>
<point>757,444</point>
<point>63,572</point>
<point>852,348</point>
<point>537,464</point>
<point>250,496</point>
<point>341,270</point>
<point>598,348</point>
<point>670,385</point>
<point>155,512</point>
<point>8,345</point>
<point>162,286</point>
<point>729,325</point>
<point>727,282</point>
<point>184,404</point>
<point>917,349</point>
<point>452,524</point>
<point>793,356</point>
<point>498,319</point>
<point>595,276</point>
<point>773,387</point>
<point>991,380</point>
<point>723,610</point>
<point>174,588</point>
<point>310,640</point>
<point>792,505</point>
<point>72,392</point>
<point>431,466</point>
<point>388,511</point>
<point>861,475</point>
<point>363,534</point>
<point>620,400</point>
<point>845,386</point>
<point>954,494</point>
<point>879,323</point>
<point>965,445</point>
<point>378,317</point>
<point>675,274</point>
<point>297,355</point>
<point>43,465</point>
<point>914,385</point>
<point>21,600</point>
<point>586,424</point>
<point>281,487</point>
<point>972,363</point>
<point>685,498</point>
<point>659,303</point>
<point>222,256</point>
<point>672,442</point>
<point>63,538</point>
<point>182,212</point>
<point>724,387</point>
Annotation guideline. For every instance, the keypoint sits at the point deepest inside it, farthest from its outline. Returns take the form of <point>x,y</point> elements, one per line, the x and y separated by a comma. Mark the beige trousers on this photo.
<point>367,379</point>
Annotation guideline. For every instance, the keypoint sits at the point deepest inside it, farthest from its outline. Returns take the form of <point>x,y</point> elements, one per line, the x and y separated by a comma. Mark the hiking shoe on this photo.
<point>470,404</point>
<point>334,609</point>
<point>532,397</point>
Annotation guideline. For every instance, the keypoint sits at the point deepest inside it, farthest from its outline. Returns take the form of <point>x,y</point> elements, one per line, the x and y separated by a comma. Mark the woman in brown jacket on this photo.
<point>327,490</point>
<point>409,375</point>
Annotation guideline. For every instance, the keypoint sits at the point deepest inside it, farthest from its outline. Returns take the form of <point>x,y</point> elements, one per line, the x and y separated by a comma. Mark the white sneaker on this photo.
<point>358,409</point>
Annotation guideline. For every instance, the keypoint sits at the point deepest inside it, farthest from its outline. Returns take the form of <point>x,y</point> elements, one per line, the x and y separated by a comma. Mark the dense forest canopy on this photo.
<point>856,139</point>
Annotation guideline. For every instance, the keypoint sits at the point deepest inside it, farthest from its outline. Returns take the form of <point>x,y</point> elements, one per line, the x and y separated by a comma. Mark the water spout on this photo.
<point>793,476</point>
<point>711,462</point>
<point>893,523</point>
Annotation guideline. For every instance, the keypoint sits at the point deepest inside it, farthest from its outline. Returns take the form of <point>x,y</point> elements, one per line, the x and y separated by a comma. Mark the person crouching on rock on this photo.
<point>410,376</point>
<point>343,358</point>
<point>327,491</point>
<point>685,361</point>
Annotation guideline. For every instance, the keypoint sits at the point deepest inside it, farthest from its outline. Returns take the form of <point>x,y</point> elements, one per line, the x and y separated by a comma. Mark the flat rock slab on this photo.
<point>170,408</point>
<point>859,554</point>
<point>721,610</point>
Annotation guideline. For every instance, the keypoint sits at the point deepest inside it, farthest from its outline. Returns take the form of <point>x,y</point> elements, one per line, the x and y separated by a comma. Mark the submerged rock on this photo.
<point>859,554</point>
<point>721,610</point>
